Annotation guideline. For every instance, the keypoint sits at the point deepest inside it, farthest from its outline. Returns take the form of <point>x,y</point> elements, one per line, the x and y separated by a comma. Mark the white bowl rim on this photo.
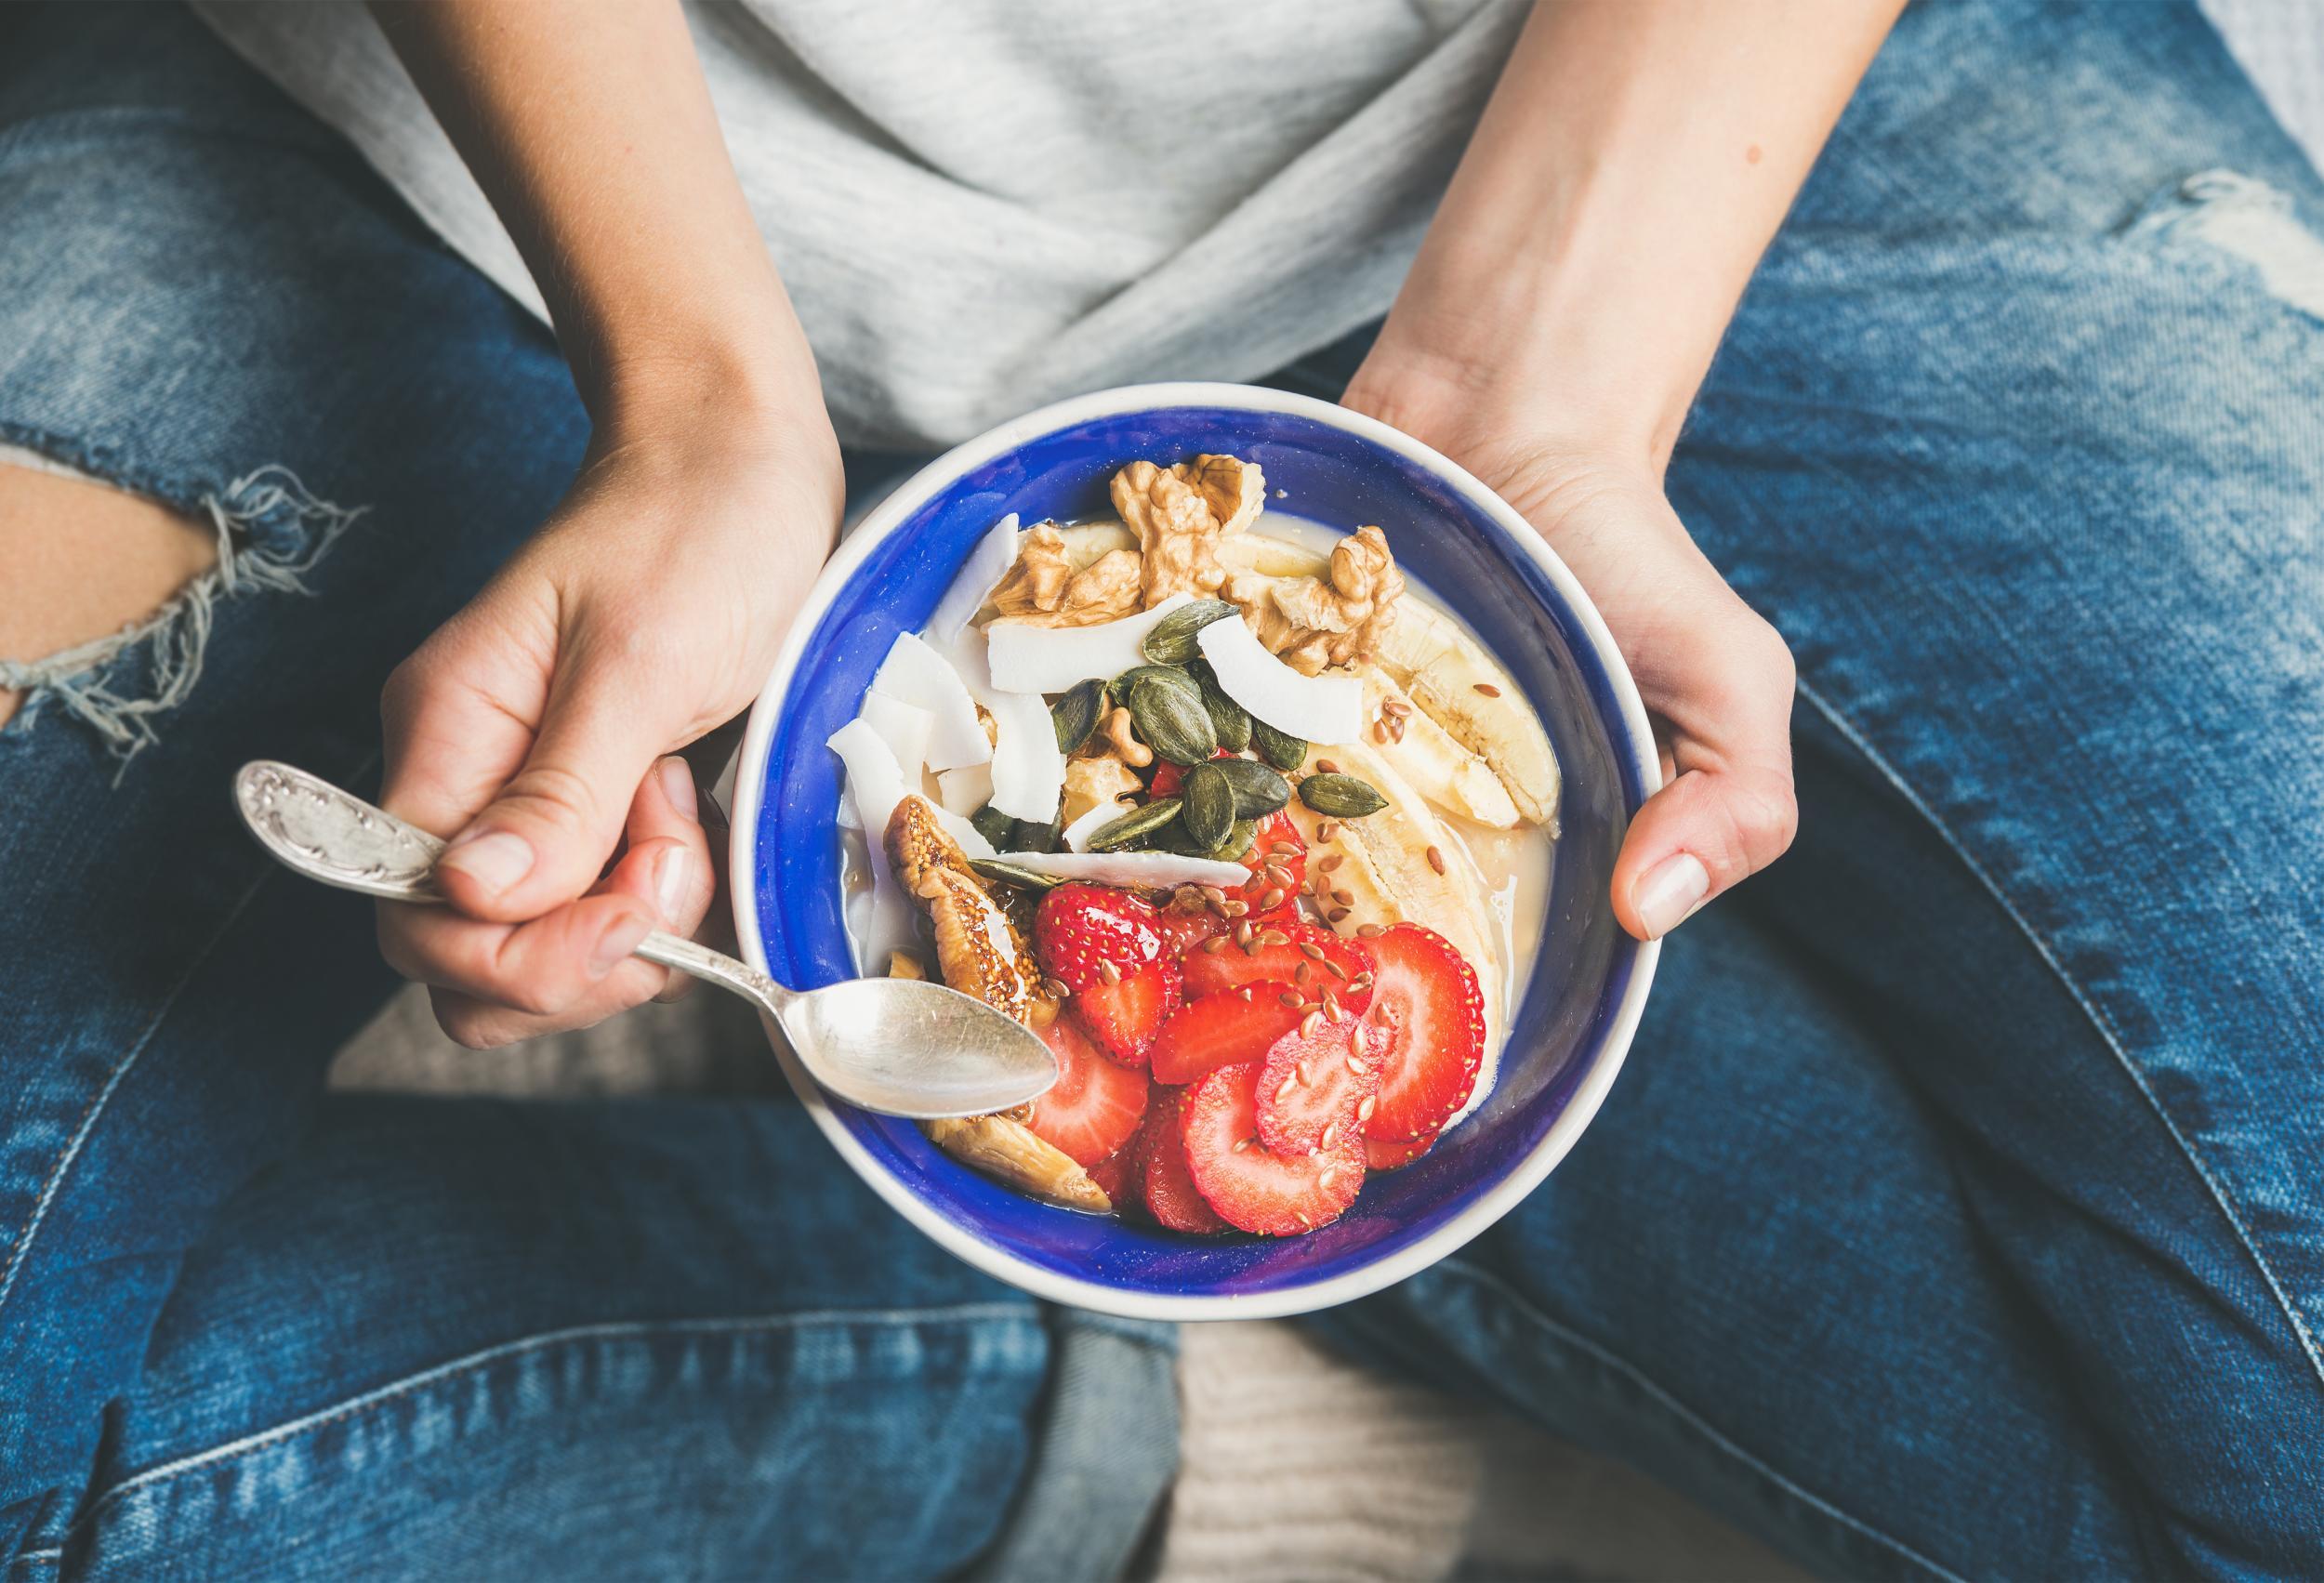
<point>750,775</point>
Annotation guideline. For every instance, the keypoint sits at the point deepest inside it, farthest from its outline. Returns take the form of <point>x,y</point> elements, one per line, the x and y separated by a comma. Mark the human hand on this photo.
<point>534,728</point>
<point>1717,679</point>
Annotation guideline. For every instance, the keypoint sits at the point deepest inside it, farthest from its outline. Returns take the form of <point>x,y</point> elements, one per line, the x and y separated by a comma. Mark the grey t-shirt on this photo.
<point>982,205</point>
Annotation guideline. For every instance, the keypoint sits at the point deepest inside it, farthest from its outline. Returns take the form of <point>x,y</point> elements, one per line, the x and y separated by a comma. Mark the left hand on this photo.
<point>1716,678</point>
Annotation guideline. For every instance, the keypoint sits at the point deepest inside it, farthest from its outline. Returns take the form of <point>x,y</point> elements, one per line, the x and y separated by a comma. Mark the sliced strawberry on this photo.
<point>1118,1175</point>
<point>1281,952</point>
<point>1095,1106</point>
<point>1167,1189</point>
<point>1251,1188</point>
<point>1124,1015</point>
<point>1388,1156</point>
<point>1312,1086</point>
<point>1079,928</point>
<point>1431,1017</point>
<point>1185,928</point>
<point>1275,871</point>
<point>1226,1030</point>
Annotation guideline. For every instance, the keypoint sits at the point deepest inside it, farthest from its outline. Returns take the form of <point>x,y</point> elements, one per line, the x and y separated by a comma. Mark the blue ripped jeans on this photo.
<point>1960,1212</point>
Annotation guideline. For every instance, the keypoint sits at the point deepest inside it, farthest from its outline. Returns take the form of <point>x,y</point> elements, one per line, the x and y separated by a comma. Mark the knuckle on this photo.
<point>558,798</point>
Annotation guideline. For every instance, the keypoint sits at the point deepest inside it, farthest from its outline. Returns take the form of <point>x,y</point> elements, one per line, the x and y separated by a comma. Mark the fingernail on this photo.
<point>672,878</point>
<point>1670,891</point>
<point>677,785</point>
<point>619,940</point>
<point>494,859</point>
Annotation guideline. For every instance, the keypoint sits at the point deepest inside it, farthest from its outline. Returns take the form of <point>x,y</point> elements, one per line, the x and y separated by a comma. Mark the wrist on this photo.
<point>724,391</point>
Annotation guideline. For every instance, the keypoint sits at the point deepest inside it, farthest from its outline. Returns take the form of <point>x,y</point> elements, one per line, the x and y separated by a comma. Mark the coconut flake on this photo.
<point>916,674</point>
<point>988,561</point>
<point>965,790</point>
<point>1076,835</point>
<point>903,727</point>
<point>1155,870</point>
<point>1027,659</point>
<point>1028,771</point>
<point>883,919</point>
<point>1321,709</point>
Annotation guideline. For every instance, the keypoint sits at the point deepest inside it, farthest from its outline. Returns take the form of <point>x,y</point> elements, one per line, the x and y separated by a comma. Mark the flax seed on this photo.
<point>1306,971</point>
<point>1364,1110</point>
<point>1332,1136</point>
<point>1312,951</point>
<point>1326,767</point>
<point>1358,1067</point>
<point>1290,1001</point>
<point>1380,732</point>
<point>1282,849</point>
<point>1360,982</point>
<point>1334,861</point>
<point>1272,900</point>
<point>1436,860</point>
<point>1284,1091</point>
<point>1331,1006</point>
<point>1274,936</point>
<point>1213,945</point>
<point>1278,875</point>
<point>1397,708</point>
<point>1370,931</point>
<point>1486,688</point>
<point>1109,972</point>
<point>1396,730</point>
<point>1309,1023</point>
<point>1326,830</point>
<point>1345,898</point>
<point>1213,895</point>
<point>1336,915</point>
<point>1333,968</point>
<point>1242,932</point>
<point>1234,909</point>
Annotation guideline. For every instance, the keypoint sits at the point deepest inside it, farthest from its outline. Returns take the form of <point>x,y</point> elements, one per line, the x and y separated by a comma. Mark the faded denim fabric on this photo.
<point>1960,1213</point>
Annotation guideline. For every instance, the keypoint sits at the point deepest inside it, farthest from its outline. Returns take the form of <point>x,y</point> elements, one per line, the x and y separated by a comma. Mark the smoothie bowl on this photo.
<point>1269,765</point>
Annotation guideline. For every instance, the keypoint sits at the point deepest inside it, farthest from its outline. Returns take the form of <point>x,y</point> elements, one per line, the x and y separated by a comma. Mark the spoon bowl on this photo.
<point>899,1046</point>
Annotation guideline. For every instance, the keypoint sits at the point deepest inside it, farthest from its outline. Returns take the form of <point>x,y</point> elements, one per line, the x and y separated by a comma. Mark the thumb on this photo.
<point>546,835</point>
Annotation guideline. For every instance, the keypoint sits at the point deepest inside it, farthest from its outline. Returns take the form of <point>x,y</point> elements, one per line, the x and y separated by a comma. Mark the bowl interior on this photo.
<point>1576,987</point>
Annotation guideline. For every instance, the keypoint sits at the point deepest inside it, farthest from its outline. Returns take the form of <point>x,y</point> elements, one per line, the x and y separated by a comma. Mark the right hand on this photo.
<point>536,729</point>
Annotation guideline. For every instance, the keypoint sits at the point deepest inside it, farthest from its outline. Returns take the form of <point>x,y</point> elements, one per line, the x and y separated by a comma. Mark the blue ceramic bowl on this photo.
<point>1579,1006</point>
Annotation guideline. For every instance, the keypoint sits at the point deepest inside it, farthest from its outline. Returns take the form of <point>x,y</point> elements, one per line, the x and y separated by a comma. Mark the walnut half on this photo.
<point>1042,588</point>
<point>1180,514</point>
<point>1335,619</point>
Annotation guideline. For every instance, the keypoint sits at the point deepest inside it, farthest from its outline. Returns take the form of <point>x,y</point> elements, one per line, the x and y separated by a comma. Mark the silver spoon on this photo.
<point>901,1047</point>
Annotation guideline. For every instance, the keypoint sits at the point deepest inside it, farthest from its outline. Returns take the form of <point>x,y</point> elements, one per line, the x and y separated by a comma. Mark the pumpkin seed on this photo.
<point>1209,800</point>
<point>1282,751</point>
<point>1077,713</point>
<point>1169,674</point>
<point>1259,790</point>
<point>1230,720</point>
<point>1139,823</point>
<point>1239,837</point>
<point>1172,640</point>
<point>1340,796</point>
<point>1171,721</point>
<point>993,824</point>
<point>1010,874</point>
<point>1026,836</point>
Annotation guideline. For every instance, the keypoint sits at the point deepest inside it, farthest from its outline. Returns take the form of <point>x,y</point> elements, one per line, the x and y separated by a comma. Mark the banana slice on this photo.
<point>1450,677</point>
<point>1009,1151</point>
<point>1385,868</point>
<point>1440,769</point>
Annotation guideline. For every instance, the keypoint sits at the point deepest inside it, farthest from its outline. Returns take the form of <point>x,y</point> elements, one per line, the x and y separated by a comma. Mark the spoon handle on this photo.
<point>327,833</point>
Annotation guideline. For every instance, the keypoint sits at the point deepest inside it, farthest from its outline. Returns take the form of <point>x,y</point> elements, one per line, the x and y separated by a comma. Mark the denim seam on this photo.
<point>23,1246</point>
<point>1525,1307</point>
<point>380,1395</point>
<point>2090,1008</point>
